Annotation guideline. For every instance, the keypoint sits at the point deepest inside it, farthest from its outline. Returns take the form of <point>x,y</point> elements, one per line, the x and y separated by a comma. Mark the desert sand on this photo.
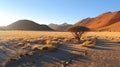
<point>25,49</point>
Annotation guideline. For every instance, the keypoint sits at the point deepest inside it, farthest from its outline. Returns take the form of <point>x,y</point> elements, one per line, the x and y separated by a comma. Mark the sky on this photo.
<point>54,11</point>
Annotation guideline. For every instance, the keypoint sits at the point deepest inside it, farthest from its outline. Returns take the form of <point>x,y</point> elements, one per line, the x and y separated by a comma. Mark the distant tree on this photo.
<point>77,31</point>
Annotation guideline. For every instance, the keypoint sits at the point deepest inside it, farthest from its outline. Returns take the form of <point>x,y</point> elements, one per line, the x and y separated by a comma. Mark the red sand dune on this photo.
<point>84,21</point>
<point>106,21</point>
<point>113,27</point>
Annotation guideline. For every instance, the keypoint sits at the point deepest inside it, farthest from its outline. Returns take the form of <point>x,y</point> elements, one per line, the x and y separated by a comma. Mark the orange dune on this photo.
<point>113,27</point>
<point>106,21</point>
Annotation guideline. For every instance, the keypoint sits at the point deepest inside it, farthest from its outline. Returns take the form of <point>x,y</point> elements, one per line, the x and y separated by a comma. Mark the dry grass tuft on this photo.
<point>49,48</point>
<point>52,43</point>
<point>36,46</point>
<point>89,42</point>
<point>26,45</point>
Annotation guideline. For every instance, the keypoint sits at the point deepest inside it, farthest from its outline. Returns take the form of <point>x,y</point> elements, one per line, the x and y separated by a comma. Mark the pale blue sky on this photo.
<point>54,11</point>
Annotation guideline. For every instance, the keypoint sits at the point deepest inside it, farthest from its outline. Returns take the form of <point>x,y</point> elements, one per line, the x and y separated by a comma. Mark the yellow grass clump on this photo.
<point>89,42</point>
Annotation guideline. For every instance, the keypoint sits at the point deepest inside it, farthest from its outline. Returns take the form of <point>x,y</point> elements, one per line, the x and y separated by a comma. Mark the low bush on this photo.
<point>90,42</point>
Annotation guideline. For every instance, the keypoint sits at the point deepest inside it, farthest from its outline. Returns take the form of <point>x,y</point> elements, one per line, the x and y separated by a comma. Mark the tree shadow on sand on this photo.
<point>100,48</point>
<point>107,43</point>
<point>63,56</point>
<point>103,44</point>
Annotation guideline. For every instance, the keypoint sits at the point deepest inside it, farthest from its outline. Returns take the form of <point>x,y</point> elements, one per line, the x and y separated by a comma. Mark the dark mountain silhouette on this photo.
<point>61,27</point>
<point>105,21</point>
<point>28,25</point>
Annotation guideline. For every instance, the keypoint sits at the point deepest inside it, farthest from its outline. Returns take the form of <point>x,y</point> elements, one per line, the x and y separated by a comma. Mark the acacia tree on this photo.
<point>77,31</point>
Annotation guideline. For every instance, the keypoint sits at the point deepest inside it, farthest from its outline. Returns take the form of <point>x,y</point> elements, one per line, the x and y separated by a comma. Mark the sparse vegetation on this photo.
<point>89,42</point>
<point>30,46</point>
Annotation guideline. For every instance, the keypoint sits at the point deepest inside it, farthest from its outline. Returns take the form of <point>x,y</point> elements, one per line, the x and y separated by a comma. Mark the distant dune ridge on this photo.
<point>84,22</point>
<point>106,21</point>
<point>2,27</point>
<point>61,27</point>
<point>27,25</point>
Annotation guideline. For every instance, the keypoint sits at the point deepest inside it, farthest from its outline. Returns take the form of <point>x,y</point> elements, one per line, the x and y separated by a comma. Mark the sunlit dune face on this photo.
<point>6,19</point>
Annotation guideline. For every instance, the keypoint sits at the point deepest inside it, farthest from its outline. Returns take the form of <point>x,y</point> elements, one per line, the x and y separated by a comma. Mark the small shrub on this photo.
<point>36,46</point>
<point>52,43</point>
<point>26,45</point>
<point>89,42</point>
<point>49,48</point>
<point>66,40</point>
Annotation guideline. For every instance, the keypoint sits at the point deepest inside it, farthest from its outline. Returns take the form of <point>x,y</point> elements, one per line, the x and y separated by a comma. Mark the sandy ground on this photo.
<point>104,54</point>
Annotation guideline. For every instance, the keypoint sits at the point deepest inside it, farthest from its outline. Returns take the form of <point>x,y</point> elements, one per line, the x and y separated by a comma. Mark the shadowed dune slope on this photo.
<point>27,25</point>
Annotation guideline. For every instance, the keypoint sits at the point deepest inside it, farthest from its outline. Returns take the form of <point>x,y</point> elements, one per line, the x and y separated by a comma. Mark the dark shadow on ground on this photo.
<point>103,44</point>
<point>43,59</point>
<point>107,43</point>
<point>100,48</point>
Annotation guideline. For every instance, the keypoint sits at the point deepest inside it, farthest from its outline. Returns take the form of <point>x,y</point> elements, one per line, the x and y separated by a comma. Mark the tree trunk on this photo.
<point>78,35</point>
<point>78,39</point>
